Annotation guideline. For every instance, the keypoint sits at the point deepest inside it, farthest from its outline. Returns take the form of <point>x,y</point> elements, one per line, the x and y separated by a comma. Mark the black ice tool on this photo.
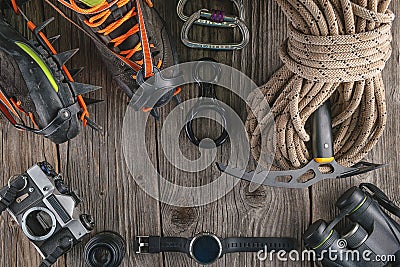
<point>322,143</point>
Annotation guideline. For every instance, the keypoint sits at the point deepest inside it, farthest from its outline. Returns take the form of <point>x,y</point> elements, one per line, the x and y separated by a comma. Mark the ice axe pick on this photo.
<point>322,144</point>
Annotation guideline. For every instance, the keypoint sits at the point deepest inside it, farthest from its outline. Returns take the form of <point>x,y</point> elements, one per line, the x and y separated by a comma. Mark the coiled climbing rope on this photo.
<point>336,50</point>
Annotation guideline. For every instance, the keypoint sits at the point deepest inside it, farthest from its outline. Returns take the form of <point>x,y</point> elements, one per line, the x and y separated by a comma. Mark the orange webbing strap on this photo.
<point>6,107</point>
<point>148,61</point>
<point>4,100</point>
<point>178,90</point>
<point>15,6</point>
<point>17,105</point>
<point>7,113</point>
<point>90,11</point>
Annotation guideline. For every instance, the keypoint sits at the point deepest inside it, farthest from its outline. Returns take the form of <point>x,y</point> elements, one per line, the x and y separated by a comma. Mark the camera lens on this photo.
<point>205,248</point>
<point>105,249</point>
<point>38,223</point>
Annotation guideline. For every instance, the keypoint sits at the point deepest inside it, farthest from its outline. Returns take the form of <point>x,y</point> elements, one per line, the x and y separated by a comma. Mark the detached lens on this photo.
<point>106,249</point>
<point>205,248</point>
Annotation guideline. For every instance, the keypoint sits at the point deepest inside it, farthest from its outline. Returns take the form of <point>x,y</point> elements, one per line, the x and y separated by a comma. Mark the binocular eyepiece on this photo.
<point>371,234</point>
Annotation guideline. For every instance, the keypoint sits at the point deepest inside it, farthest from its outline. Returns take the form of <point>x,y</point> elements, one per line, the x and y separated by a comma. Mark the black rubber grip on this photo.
<point>322,139</point>
<point>168,244</point>
<point>255,244</point>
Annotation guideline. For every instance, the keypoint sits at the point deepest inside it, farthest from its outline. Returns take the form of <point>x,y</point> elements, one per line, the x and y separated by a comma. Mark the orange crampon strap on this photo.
<point>178,90</point>
<point>7,108</point>
<point>17,105</point>
<point>32,27</point>
<point>15,6</point>
<point>102,12</point>
<point>148,61</point>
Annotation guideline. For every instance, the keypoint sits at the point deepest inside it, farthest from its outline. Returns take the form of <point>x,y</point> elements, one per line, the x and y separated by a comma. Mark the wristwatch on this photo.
<point>206,248</point>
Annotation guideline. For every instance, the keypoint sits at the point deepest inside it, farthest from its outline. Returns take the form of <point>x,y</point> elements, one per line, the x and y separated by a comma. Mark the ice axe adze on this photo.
<point>322,143</point>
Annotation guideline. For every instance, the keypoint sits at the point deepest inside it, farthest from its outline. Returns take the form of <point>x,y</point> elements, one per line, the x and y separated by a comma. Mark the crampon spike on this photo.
<point>82,88</point>
<point>91,101</point>
<point>53,39</point>
<point>64,57</point>
<point>75,72</point>
<point>44,24</point>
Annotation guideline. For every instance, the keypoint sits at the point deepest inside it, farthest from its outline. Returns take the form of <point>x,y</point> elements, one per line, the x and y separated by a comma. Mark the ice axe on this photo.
<point>322,144</point>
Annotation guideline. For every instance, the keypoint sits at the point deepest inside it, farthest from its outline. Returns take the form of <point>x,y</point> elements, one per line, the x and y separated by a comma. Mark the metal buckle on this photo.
<point>142,245</point>
<point>148,94</point>
<point>208,16</point>
<point>229,22</point>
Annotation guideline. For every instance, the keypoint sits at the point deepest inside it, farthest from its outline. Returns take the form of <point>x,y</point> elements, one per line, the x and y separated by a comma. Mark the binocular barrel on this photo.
<point>371,233</point>
<point>331,248</point>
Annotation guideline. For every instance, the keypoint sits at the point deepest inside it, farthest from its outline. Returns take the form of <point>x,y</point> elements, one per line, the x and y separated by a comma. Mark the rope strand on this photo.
<point>336,50</point>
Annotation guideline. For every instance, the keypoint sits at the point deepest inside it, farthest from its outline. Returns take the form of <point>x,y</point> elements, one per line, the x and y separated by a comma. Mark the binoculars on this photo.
<point>372,238</point>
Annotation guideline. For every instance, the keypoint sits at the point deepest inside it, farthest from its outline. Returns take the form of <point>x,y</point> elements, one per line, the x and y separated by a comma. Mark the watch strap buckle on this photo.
<point>142,245</point>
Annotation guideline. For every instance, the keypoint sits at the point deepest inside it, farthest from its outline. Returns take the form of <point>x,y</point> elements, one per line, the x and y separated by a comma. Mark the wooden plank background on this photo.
<point>94,164</point>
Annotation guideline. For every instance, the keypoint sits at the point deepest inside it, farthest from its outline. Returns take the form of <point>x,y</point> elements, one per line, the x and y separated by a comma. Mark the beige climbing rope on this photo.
<point>336,50</point>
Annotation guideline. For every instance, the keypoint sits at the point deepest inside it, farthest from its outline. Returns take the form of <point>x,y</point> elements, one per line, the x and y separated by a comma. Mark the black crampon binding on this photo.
<point>50,96</point>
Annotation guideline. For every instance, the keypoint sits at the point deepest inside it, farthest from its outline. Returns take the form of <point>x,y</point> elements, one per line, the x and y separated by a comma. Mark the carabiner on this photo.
<point>205,14</point>
<point>207,101</point>
<point>216,17</point>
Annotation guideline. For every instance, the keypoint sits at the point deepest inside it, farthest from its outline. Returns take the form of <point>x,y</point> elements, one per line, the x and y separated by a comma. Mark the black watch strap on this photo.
<point>255,244</point>
<point>157,244</point>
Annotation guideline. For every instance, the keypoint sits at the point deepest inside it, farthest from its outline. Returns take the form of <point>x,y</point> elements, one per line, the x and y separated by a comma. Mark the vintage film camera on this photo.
<point>373,238</point>
<point>45,208</point>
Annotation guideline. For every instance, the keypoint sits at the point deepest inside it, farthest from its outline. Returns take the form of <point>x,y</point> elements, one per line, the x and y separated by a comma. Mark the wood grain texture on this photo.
<point>95,166</point>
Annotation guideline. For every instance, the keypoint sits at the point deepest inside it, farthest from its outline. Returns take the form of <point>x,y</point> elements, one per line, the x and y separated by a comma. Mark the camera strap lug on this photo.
<point>64,246</point>
<point>9,198</point>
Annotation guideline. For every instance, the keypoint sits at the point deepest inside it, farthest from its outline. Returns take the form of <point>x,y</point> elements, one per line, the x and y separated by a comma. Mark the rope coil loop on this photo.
<point>336,49</point>
<point>319,58</point>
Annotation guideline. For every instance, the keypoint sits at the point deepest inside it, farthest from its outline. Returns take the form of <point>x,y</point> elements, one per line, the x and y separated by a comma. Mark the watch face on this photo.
<point>205,248</point>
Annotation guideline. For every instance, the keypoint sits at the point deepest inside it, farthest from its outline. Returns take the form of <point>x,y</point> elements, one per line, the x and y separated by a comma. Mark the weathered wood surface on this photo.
<point>94,164</point>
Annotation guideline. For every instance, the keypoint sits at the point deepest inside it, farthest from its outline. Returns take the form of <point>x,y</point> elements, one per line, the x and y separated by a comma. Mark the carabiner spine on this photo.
<point>195,17</point>
<point>228,20</point>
